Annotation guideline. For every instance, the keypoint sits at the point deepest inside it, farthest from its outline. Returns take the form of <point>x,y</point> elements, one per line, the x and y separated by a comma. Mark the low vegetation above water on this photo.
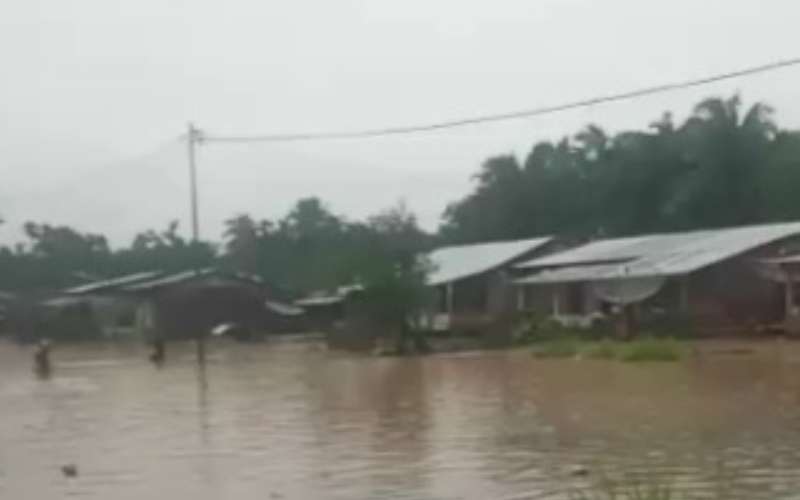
<point>644,349</point>
<point>549,338</point>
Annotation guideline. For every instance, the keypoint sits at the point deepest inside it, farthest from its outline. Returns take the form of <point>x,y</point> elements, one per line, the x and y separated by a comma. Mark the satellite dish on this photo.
<point>624,291</point>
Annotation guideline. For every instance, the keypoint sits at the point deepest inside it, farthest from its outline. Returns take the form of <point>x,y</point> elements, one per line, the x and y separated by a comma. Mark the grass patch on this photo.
<point>651,349</point>
<point>565,347</point>
<point>639,350</point>
<point>605,349</point>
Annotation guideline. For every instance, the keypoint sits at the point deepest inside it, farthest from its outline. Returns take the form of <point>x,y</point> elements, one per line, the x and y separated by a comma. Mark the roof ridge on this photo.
<point>487,243</point>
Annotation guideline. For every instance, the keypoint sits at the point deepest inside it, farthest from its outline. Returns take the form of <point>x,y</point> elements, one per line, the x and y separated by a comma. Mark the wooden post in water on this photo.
<point>201,349</point>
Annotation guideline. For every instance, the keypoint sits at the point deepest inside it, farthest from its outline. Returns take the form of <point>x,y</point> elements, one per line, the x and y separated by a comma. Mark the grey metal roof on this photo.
<point>571,274</point>
<point>283,309</point>
<point>119,281</point>
<point>325,298</point>
<point>319,301</point>
<point>600,251</point>
<point>657,255</point>
<point>457,262</point>
<point>782,259</point>
<point>171,279</point>
<point>66,301</point>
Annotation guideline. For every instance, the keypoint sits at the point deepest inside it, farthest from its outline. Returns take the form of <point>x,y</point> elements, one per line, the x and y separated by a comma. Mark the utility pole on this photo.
<point>193,138</point>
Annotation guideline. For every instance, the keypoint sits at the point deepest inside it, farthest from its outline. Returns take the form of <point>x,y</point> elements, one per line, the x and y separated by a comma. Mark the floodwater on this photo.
<point>293,421</point>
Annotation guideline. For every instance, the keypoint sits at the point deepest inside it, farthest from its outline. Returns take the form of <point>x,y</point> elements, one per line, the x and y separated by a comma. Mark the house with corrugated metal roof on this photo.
<point>196,302</point>
<point>156,304</point>
<point>325,309</point>
<point>473,284</point>
<point>719,278</point>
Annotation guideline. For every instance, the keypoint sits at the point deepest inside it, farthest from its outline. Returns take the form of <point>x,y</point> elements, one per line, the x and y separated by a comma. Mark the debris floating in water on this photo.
<point>578,471</point>
<point>69,470</point>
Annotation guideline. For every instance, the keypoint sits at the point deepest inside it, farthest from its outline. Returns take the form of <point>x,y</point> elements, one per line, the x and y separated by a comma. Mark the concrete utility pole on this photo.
<point>193,138</point>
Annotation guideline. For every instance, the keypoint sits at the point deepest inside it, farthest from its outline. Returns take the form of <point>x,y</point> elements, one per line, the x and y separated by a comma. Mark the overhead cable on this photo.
<point>513,115</point>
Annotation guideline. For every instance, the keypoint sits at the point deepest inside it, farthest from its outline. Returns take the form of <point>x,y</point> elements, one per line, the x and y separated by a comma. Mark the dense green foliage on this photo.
<point>722,166</point>
<point>394,278</point>
<point>58,256</point>
<point>311,248</point>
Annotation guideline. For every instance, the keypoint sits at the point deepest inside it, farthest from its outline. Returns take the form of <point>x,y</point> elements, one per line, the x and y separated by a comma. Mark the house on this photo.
<point>191,303</point>
<point>104,305</point>
<point>88,311</point>
<point>785,270</point>
<point>718,278</point>
<point>325,309</point>
<point>472,282</point>
<point>155,304</point>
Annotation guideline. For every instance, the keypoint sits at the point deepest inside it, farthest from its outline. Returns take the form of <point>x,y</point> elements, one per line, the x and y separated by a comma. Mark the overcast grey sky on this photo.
<point>95,92</point>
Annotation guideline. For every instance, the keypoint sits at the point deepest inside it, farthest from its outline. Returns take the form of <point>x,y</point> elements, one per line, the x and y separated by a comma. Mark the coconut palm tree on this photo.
<point>726,149</point>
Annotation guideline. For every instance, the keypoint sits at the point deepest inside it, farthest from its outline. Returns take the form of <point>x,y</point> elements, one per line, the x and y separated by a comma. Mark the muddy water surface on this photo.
<point>293,421</point>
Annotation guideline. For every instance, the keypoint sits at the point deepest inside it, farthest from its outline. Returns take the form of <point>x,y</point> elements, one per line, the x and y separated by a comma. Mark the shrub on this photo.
<point>651,349</point>
<point>533,328</point>
<point>524,332</point>
<point>552,329</point>
<point>605,349</point>
<point>562,347</point>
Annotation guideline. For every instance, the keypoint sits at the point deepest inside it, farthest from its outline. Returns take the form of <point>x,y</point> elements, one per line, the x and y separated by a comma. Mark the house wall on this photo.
<point>732,295</point>
<point>482,300</point>
<point>115,315</point>
<point>146,320</point>
<point>563,299</point>
<point>537,299</point>
<point>323,318</point>
<point>188,310</point>
<point>727,296</point>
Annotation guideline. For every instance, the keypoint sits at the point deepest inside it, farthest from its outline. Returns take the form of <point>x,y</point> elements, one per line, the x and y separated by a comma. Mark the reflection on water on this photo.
<point>295,421</point>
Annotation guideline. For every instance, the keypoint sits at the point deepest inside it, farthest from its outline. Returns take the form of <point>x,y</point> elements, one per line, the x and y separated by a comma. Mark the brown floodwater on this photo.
<point>288,420</point>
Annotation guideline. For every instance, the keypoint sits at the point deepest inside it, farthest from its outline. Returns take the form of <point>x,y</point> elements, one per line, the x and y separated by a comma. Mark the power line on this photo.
<point>513,115</point>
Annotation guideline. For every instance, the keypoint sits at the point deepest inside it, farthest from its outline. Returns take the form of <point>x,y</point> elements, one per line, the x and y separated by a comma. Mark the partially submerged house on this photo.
<point>103,306</point>
<point>717,278</point>
<point>155,304</point>
<point>88,311</point>
<point>473,282</point>
<point>326,309</point>
<point>193,303</point>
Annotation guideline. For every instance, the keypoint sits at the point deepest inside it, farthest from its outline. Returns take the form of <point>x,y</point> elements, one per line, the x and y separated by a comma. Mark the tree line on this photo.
<point>724,165</point>
<point>308,249</point>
